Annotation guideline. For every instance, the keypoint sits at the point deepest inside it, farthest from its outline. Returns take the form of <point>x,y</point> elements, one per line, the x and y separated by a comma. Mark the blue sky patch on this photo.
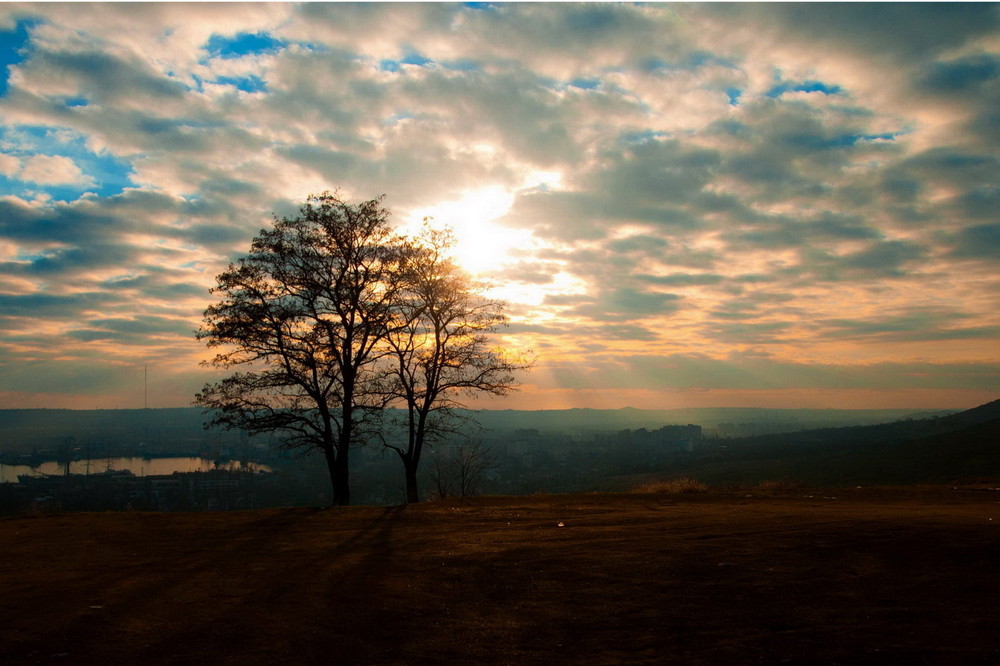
<point>398,118</point>
<point>242,44</point>
<point>805,86</point>
<point>586,84</point>
<point>962,74</point>
<point>687,63</point>
<point>814,142</point>
<point>641,136</point>
<point>411,58</point>
<point>734,95</point>
<point>11,44</point>
<point>249,84</point>
<point>110,175</point>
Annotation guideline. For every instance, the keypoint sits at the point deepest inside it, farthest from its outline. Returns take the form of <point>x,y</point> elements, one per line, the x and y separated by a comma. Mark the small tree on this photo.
<point>307,314</point>
<point>441,349</point>
<point>462,470</point>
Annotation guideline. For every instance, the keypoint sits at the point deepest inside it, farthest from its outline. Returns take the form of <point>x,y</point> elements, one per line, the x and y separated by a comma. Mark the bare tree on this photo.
<point>460,469</point>
<point>441,473</point>
<point>441,349</point>
<point>306,313</point>
<point>472,462</point>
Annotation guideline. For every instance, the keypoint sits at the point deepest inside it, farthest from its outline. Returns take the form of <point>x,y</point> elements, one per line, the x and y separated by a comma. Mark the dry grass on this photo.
<point>857,576</point>
<point>681,486</point>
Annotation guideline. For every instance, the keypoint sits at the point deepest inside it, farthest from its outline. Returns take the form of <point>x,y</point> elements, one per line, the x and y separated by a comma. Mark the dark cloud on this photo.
<point>681,279</point>
<point>50,306</point>
<point>140,327</point>
<point>790,149</point>
<point>693,371</point>
<point>880,260</point>
<point>639,243</point>
<point>627,304</point>
<point>918,324</point>
<point>781,231</point>
<point>157,284</point>
<point>978,242</point>
<point>331,164</point>
<point>961,75</point>
<point>654,172</point>
<point>102,78</point>
<point>747,333</point>
<point>900,31</point>
<point>587,334</point>
<point>965,170</point>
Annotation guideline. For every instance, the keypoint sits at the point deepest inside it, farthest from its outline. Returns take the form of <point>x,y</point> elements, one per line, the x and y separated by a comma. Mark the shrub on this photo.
<point>775,486</point>
<point>683,485</point>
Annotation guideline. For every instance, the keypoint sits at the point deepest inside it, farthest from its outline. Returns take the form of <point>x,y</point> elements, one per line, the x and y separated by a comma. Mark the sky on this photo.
<point>684,205</point>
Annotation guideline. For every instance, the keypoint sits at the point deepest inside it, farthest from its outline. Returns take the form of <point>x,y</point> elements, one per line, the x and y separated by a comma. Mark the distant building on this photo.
<point>676,437</point>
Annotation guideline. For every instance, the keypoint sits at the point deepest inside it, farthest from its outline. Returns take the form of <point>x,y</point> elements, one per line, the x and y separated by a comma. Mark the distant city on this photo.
<point>164,459</point>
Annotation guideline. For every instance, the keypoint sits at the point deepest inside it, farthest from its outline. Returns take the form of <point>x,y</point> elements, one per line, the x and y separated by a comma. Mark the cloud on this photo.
<point>704,373</point>
<point>9,165</point>
<point>693,182</point>
<point>978,242</point>
<point>626,304</point>
<point>52,170</point>
<point>914,324</point>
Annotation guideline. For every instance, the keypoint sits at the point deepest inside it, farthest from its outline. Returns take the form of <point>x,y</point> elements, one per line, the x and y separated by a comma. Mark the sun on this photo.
<point>482,246</point>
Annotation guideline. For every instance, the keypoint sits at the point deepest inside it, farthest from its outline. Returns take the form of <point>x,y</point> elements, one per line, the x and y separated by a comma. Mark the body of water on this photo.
<point>138,467</point>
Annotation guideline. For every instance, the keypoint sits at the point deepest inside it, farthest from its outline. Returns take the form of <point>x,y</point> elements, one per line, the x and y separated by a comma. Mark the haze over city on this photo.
<point>775,205</point>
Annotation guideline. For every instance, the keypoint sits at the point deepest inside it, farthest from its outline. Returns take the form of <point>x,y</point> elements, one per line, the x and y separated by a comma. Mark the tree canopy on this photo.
<point>332,317</point>
<point>441,348</point>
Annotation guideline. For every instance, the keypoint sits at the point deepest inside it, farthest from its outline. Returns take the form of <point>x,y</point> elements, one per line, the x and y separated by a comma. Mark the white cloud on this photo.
<point>53,170</point>
<point>9,165</point>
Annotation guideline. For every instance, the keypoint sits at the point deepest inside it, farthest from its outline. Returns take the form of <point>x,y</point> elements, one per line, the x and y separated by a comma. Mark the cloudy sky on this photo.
<point>684,205</point>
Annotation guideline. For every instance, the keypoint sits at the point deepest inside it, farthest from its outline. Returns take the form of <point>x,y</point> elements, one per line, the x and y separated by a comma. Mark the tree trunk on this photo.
<point>341,480</point>
<point>331,468</point>
<point>339,483</point>
<point>412,494</point>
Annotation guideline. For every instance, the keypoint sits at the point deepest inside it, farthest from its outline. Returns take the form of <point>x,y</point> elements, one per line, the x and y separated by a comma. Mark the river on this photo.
<point>138,466</point>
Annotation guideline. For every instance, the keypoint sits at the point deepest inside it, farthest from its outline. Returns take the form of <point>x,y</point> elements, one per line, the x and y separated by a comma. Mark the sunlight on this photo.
<point>481,245</point>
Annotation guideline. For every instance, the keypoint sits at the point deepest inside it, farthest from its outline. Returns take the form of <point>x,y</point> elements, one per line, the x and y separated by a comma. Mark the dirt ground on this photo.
<point>859,576</point>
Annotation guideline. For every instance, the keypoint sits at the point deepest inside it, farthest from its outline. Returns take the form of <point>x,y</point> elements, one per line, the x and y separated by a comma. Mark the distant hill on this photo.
<point>961,446</point>
<point>899,430</point>
<point>22,430</point>
<point>175,429</point>
<point>566,420</point>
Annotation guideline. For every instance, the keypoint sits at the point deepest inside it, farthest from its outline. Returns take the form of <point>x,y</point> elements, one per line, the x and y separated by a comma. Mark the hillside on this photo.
<point>882,433</point>
<point>959,447</point>
<point>872,576</point>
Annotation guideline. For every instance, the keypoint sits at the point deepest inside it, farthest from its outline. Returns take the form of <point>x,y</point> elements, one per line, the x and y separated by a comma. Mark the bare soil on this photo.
<point>859,576</point>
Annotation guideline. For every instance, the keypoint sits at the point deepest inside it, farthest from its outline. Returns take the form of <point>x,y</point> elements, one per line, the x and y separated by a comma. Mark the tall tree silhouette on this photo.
<point>441,349</point>
<point>306,315</point>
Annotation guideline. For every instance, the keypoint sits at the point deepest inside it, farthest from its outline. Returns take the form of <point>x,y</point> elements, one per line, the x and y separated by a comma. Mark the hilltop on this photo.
<point>859,576</point>
<point>944,449</point>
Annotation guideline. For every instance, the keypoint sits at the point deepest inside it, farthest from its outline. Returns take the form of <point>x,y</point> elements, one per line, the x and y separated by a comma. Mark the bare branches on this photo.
<point>333,317</point>
<point>305,312</point>
<point>440,343</point>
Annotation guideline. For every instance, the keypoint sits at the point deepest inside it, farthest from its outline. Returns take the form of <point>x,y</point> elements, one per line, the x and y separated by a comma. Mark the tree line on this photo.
<point>333,317</point>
